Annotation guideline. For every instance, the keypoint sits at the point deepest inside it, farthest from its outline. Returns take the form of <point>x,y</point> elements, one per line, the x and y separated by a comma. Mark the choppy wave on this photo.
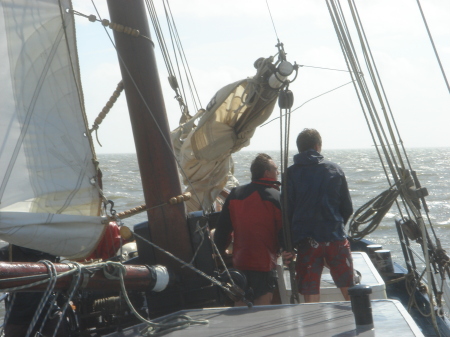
<point>366,179</point>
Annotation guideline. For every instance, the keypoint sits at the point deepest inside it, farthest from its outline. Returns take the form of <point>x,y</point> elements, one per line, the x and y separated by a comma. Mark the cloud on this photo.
<point>222,40</point>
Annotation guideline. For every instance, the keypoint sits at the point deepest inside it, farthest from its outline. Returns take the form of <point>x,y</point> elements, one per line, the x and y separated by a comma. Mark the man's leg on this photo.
<point>339,257</point>
<point>344,291</point>
<point>312,298</point>
<point>309,266</point>
<point>240,304</point>
<point>265,299</point>
<point>263,285</point>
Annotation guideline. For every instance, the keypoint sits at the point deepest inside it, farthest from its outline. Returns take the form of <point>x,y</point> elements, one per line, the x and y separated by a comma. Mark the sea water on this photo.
<point>365,176</point>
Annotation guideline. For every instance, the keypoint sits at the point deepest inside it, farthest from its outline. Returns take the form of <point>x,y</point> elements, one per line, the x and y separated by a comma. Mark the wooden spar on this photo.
<point>137,278</point>
<point>160,181</point>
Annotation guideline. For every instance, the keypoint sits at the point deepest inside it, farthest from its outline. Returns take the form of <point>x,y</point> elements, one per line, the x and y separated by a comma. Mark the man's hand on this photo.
<point>287,257</point>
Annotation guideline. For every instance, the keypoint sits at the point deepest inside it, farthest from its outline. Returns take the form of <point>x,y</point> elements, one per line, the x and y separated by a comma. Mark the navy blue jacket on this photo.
<point>319,202</point>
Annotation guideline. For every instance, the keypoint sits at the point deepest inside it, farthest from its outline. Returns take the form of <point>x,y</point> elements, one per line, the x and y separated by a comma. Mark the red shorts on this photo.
<point>310,262</point>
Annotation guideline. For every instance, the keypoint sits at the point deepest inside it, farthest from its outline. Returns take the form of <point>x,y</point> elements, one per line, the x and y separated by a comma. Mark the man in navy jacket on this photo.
<point>319,205</point>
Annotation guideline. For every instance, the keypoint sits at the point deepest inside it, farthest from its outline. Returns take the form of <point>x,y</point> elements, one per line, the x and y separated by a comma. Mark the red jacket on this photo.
<point>253,213</point>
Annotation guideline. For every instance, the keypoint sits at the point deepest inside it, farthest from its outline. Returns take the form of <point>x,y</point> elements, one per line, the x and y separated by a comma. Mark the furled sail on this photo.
<point>49,200</point>
<point>226,126</point>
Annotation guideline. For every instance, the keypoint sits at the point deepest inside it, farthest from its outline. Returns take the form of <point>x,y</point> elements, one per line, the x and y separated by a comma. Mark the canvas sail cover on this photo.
<point>48,197</point>
<point>225,127</point>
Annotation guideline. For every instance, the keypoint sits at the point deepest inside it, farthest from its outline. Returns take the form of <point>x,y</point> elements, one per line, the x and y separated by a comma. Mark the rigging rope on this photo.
<point>101,116</point>
<point>188,75</point>
<point>74,287</point>
<point>78,84</point>
<point>112,25</point>
<point>411,290</point>
<point>190,266</point>
<point>434,47</point>
<point>323,68</point>
<point>184,56</point>
<point>176,45</point>
<point>273,23</point>
<point>372,213</point>
<point>167,141</point>
<point>290,111</point>
<point>45,297</point>
<point>387,139</point>
<point>169,145</point>
<point>153,328</point>
<point>8,307</point>
<point>285,101</point>
<point>112,271</point>
<point>406,197</point>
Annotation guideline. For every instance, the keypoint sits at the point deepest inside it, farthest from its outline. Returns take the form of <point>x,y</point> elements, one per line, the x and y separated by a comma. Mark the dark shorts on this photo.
<point>310,262</point>
<point>262,282</point>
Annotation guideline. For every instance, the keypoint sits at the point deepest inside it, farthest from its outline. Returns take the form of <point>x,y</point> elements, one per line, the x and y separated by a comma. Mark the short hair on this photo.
<point>308,139</point>
<point>260,165</point>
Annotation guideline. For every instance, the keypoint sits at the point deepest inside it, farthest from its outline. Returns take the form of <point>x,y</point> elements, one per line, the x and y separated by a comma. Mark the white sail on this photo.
<point>48,197</point>
<point>227,125</point>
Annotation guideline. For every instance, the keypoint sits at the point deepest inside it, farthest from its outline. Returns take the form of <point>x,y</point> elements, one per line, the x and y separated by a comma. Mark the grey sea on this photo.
<point>365,176</point>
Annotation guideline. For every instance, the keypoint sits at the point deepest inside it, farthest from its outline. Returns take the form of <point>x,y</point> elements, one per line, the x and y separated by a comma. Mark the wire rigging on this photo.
<point>384,133</point>
<point>166,141</point>
<point>285,101</point>
<point>434,47</point>
<point>194,94</point>
<point>273,23</point>
<point>291,111</point>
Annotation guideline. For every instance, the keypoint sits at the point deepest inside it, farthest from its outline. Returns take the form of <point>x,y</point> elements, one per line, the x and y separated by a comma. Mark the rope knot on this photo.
<point>114,270</point>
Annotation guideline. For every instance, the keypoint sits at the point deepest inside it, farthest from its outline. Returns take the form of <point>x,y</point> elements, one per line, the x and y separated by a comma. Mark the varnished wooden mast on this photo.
<point>157,164</point>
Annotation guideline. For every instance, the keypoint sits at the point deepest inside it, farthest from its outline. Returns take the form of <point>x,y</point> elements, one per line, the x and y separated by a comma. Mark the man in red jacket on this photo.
<point>253,213</point>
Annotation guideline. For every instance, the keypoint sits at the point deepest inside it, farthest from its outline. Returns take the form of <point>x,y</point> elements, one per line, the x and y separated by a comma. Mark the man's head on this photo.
<point>309,139</point>
<point>263,167</point>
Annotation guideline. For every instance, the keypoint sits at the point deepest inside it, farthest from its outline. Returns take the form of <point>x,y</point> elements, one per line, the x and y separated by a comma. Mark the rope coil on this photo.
<point>371,213</point>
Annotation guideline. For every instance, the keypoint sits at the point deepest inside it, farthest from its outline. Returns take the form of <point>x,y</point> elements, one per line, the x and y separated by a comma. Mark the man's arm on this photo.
<point>346,207</point>
<point>290,200</point>
<point>223,227</point>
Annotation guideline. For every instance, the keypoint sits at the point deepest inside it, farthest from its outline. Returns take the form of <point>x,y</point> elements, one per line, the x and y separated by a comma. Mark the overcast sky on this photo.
<point>222,40</point>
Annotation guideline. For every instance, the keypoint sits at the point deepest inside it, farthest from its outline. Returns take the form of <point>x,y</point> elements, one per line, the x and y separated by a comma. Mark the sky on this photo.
<point>222,40</point>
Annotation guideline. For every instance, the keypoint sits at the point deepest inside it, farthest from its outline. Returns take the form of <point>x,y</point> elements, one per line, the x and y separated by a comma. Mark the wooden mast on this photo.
<point>160,181</point>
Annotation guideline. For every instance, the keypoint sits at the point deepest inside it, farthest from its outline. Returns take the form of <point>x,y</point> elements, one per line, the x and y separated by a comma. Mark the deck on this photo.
<point>316,319</point>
